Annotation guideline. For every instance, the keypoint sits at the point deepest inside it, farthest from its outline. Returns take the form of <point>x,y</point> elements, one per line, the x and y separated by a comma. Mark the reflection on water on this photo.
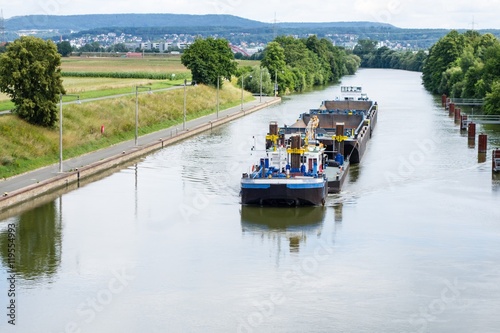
<point>353,173</point>
<point>338,211</point>
<point>38,242</point>
<point>293,224</point>
<point>471,143</point>
<point>496,182</point>
<point>481,157</point>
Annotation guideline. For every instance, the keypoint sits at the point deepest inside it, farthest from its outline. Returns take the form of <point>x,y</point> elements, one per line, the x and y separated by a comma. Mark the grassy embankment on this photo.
<point>24,147</point>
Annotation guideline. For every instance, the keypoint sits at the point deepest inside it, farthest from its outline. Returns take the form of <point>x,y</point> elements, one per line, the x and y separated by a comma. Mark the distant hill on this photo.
<point>317,25</point>
<point>88,22</point>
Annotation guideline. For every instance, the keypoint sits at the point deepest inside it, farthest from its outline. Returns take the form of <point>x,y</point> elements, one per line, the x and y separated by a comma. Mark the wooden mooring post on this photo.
<point>482,143</point>
<point>451,109</point>
<point>443,100</point>
<point>471,135</point>
<point>457,115</point>
<point>495,160</point>
<point>482,147</point>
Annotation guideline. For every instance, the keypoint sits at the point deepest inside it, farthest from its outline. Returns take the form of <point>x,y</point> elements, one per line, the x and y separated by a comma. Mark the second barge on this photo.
<point>343,126</point>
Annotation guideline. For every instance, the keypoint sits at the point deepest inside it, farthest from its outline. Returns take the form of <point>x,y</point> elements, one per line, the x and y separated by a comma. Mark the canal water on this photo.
<point>163,245</point>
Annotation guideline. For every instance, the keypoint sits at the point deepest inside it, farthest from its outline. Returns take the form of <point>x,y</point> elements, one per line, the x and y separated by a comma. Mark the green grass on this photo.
<point>126,90</point>
<point>6,105</point>
<point>87,92</point>
<point>25,147</point>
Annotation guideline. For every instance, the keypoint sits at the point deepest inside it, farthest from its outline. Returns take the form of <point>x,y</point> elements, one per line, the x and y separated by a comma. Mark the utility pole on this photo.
<point>274,27</point>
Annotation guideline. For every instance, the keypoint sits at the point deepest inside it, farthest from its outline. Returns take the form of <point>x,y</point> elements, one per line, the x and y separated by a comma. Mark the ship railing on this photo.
<point>465,101</point>
<point>337,111</point>
<point>359,128</point>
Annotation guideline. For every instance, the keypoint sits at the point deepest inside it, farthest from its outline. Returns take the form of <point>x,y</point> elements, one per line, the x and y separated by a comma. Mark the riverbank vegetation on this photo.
<point>299,64</point>
<point>383,57</point>
<point>465,66</point>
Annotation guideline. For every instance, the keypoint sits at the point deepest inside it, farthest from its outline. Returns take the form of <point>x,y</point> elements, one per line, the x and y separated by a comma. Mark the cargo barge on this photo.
<point>343,126</point>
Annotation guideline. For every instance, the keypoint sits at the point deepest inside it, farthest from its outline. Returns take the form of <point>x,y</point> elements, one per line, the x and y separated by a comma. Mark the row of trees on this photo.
<point>294,64</point>
<point>465,66</point>
<point>383,57</point>
<point>299,64</point>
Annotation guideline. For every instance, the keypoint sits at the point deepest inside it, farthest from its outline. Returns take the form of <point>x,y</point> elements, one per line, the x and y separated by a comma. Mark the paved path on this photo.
<point>46,173</point>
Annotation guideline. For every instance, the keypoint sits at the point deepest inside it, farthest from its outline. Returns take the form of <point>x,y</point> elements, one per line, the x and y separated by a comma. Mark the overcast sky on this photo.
<point>448,14</point>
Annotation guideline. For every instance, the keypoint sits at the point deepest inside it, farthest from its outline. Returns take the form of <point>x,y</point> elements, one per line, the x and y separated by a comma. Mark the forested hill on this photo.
<point>321,25</point>
<point>86,22</point>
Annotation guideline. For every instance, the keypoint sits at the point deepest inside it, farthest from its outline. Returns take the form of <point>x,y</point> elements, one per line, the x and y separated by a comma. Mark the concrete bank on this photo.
<point>26,187</point>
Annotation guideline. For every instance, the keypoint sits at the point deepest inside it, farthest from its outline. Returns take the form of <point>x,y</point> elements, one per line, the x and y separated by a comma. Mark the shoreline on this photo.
<point>34,184</point>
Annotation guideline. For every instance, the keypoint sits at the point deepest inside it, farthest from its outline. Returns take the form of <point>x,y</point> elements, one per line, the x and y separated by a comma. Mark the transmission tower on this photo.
<point>2,28</point>
<point>274,26</point>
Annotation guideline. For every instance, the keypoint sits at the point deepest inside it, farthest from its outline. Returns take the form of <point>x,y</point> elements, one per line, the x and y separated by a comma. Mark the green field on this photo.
<point>153,65</point>
<point>171,64</point>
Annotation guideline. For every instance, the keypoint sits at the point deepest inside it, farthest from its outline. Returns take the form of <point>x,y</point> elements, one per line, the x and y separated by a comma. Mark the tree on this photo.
<point>253,81</point>
<point>351,65</point>
<point>274,59</point>
<point>92,47</point>
<point>209,58</point>
<point>442,55</point>
<point>492,63</point>
<point>364,49</point>
<point>492,100</point>
<point>303,68</point>
<point>120,47</point>
<point>30,74</point>
<point>64,48</point>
